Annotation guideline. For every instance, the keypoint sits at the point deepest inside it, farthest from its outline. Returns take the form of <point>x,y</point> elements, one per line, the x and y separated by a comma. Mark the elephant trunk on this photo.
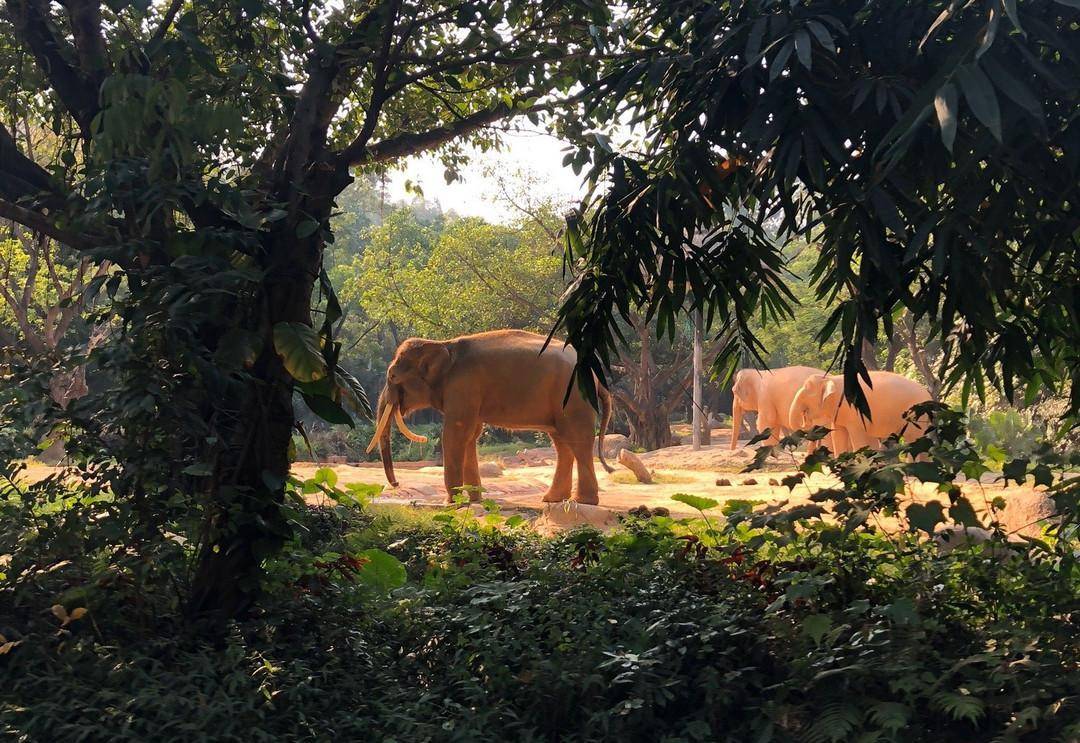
<point>736,421</point>
<point>799,412</point>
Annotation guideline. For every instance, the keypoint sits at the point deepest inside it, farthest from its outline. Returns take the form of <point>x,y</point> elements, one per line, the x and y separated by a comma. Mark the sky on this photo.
<point>534,153</point>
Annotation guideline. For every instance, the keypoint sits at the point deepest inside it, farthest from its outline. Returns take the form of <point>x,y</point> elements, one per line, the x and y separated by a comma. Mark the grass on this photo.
<point>624,477</point>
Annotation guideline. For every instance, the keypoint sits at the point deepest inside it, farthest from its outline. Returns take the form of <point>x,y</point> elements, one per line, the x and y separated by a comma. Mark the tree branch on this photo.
<point>41,223</point>
<point>34,27</point>
<point>166,21</point>
<point>403,145</point>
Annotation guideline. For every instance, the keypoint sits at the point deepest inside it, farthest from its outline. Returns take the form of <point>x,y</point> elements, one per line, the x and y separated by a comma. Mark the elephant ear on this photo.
<point>432,361</point>
<point>831,395</point>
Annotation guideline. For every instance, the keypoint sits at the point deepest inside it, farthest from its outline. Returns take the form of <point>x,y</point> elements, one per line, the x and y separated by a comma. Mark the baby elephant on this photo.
<point>505,378</point>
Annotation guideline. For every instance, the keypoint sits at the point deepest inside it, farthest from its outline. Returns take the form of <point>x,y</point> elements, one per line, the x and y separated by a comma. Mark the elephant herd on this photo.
<point>517,380</point>
<point>798,397</point>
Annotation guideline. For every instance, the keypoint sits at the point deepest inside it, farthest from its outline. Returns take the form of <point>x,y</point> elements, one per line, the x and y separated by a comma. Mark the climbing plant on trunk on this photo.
<point>203,147</point>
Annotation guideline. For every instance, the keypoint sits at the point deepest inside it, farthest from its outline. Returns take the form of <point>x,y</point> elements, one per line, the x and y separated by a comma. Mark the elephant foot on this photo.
<point>474,493</point>
<point>556,496</point>
<point>586,498</point>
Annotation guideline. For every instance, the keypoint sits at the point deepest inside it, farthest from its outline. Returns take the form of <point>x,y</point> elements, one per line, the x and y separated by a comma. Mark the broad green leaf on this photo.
<point>306,228</point>
<point>298,346</point>
<point>979,94</point>
<point>325,476</point>
<point>945,107</point>
<point>695,501</point>
<point>382,571</point>
<point>327,409</point>
<point>815,626</point>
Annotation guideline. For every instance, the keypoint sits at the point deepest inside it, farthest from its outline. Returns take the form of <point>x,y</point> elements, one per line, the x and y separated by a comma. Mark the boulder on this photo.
<point>948,537</point>
<point>1026,514</point>
<point>490,469</point>
<point>724,482</point>
<point>749,481</point>
<point>613,444</point>
<point>566,515</point>
<point>632,462</point>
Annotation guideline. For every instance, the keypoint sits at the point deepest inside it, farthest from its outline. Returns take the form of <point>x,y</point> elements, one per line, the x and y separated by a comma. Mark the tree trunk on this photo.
<point>245,522</point>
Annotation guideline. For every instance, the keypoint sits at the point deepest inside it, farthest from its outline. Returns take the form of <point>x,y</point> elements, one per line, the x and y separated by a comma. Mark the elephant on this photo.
<point>769,392</point>
<point>820,401</point>
<point>505,378</point>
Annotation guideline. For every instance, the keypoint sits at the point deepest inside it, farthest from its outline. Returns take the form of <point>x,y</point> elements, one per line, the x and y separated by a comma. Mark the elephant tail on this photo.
<point>605,418</point>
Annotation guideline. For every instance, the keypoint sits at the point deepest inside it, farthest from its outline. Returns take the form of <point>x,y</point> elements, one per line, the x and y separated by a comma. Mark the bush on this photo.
<point>380,623</point>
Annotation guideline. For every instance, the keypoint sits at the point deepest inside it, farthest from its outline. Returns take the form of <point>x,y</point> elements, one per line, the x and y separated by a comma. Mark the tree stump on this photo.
<point>632,462</point>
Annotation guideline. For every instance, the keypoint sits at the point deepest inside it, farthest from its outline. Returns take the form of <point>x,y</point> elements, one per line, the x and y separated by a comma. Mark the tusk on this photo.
<point>405,429</point>
<point>383,422</point>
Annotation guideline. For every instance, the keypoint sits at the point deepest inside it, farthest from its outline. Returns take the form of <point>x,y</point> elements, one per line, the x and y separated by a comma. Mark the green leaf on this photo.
<point>306,228</point>
<point>325,476</point>
<point>1014,89</point>
<point>815,626</point>
<point>802,48</point>
<point>515,520</point>
<point>328,410</point>
<point>776,65</point>
<point>298,346</point>
<point>200,469</point>
<point>902,611</point>
<point>695,501</point>
<point>382,571</point>
<point>945,107</point>
<point>925,516</point>
<point>979,94</point>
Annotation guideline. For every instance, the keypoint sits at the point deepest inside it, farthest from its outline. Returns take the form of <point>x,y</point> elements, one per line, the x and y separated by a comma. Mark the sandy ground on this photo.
<point>679,469</point>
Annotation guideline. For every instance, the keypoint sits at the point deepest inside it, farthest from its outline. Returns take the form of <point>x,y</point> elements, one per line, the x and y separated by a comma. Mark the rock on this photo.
<point>948,537</point>
<point>724,482</point>
<point>1025,514</point>
<point>557,517</point>
<point>632,462</point>
<point>490,469</point>
<point>613,443</point>
<point>774,482</point>
<point>661,511</point>
<point>749,481</point>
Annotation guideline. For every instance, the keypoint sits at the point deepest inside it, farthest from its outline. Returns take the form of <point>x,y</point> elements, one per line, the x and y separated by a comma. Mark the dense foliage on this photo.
<point>931,149</point>
<point>381,624</point>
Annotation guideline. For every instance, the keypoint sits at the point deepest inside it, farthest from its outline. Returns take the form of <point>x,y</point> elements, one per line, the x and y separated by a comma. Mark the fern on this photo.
<point>960,705</point>
<point>836,722</point>
<point>889,715</point>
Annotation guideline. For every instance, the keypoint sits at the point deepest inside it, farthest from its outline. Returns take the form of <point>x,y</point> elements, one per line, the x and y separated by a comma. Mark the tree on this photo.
<point>931,149</point>
<point>461,276</point>
<point>203,148</point>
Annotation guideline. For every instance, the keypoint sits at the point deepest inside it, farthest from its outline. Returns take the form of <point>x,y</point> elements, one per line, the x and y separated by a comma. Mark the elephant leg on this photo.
<point>471,468</point>
<point>587,491</point>
<point>859,439</point>
<point>562,481</point>
<point>767,418</point>
<point>841,442</point>
<point>456,436</point>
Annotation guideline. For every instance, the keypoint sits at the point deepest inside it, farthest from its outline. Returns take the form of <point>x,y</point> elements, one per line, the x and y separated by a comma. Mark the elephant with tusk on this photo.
<point>505,378</point>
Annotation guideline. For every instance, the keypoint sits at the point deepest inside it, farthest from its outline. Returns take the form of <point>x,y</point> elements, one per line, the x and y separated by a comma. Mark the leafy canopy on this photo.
<point>930,148</point>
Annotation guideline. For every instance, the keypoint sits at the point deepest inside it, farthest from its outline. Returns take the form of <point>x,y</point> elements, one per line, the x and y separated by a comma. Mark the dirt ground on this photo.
<point>677,469</point>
